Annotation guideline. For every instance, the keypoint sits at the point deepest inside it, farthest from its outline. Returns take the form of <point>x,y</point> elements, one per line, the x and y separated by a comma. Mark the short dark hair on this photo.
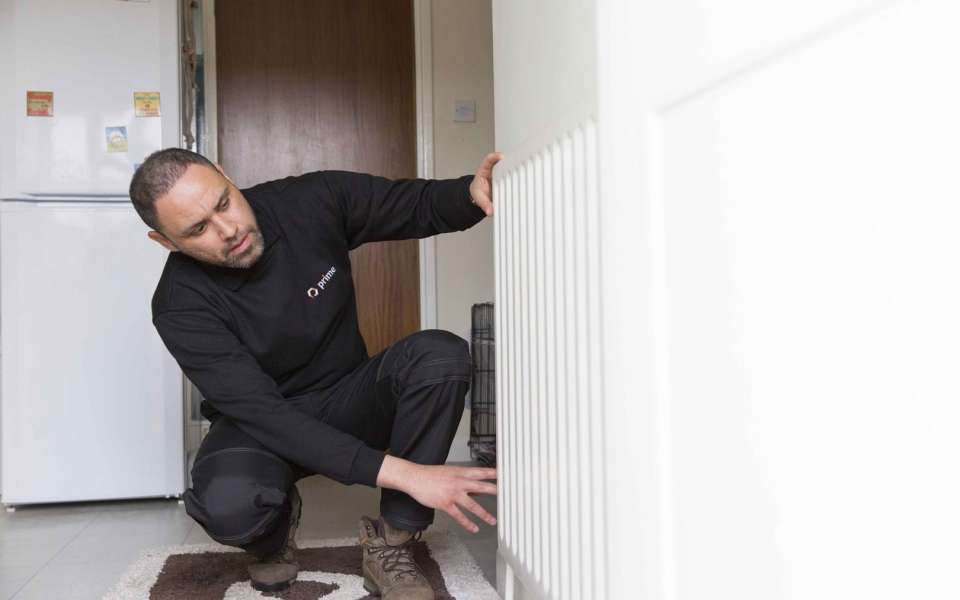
<point>154,178</point>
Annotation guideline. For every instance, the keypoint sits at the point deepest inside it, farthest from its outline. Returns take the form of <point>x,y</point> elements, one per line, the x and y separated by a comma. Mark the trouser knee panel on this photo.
<point>239,494</point>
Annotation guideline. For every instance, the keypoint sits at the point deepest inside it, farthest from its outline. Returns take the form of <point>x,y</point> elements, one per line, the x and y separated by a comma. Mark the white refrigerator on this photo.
<point>90,401</point>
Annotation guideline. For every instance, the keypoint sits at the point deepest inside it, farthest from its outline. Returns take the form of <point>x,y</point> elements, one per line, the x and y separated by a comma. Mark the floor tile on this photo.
<point>197,535</point>
<point>71,582</point>
<point>14,578</point>
<point>120,536</point>
<point>331,509</point>
<point>32,549</point>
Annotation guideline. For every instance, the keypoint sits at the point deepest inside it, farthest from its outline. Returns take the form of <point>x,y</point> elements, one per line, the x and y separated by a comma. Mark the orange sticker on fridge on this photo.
<point>39,104</point>
<point>146,104</point>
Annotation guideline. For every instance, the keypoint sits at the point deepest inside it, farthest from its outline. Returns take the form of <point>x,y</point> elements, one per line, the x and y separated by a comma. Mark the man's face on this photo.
<point>205,216</point>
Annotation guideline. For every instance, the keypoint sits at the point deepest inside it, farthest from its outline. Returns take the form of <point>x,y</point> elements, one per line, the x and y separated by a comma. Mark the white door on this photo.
<point>780,236</point>
<point>91,399</point>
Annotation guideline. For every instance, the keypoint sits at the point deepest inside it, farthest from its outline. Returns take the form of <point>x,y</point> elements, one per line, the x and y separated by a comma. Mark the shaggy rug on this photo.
<point>329,569</point>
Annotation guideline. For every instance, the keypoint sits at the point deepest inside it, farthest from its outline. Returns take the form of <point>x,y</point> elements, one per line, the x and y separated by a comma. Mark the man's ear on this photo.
<point>162,240</point>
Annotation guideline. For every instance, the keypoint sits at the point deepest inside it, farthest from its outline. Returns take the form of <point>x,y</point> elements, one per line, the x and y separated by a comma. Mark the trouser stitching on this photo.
<point>430,382</point>
<point>438,361</point>
<point>253,450</point>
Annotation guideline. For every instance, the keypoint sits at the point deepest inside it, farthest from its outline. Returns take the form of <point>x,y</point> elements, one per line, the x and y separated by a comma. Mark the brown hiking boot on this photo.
<point>388,566</point>
<point>277,572</point>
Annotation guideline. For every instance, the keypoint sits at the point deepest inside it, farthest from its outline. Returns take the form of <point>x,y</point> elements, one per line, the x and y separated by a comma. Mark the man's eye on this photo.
<point>199,230</point>
<point>225,204</point>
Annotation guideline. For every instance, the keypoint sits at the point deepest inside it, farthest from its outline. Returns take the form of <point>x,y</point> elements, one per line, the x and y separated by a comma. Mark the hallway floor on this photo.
<point>76,551</point>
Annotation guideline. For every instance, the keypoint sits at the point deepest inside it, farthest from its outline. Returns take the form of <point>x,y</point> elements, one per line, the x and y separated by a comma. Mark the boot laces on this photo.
<point>398,560</point>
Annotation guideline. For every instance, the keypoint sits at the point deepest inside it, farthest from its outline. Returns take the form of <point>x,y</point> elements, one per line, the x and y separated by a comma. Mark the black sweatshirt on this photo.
<point>265,345</point>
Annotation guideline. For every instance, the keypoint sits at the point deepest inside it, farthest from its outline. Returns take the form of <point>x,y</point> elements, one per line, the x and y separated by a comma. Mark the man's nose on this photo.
<point>225,228</point>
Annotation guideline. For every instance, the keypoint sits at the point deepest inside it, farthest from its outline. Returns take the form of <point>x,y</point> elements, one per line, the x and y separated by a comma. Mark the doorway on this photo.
<point>305,86</point>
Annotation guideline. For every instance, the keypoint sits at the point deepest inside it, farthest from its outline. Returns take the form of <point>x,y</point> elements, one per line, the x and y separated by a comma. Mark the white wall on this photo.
<point>546,73</point>
<point>462,70</point>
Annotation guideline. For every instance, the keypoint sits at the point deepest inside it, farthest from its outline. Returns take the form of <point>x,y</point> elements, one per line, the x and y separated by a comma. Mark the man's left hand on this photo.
<point>482,184</point>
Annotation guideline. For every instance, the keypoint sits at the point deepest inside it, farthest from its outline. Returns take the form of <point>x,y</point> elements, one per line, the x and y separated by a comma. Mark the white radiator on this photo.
<point>549,415</point>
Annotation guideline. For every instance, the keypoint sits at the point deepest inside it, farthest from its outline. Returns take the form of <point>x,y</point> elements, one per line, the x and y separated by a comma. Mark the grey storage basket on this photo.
<point>483,408</point>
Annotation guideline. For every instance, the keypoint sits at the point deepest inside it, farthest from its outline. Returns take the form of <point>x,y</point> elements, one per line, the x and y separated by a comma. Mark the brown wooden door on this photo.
<point>305,85</point>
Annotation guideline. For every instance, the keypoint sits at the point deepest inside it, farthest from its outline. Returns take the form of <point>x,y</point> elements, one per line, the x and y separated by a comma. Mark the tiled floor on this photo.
<point>76,551</point>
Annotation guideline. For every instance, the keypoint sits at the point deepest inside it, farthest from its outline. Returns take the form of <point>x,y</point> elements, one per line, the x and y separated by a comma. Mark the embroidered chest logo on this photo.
<point>313,292</point>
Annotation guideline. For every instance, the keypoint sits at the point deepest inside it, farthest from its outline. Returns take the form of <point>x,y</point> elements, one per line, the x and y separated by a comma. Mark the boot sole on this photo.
<point>271,587</point>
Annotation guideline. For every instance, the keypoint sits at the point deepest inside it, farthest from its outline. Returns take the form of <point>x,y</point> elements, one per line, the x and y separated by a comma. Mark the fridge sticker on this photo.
<point>39,104</point>
<point>146,104</point>
<point>116,139</point>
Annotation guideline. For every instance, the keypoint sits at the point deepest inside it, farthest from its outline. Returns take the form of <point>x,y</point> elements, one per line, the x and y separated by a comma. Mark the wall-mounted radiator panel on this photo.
<point>548,335</point>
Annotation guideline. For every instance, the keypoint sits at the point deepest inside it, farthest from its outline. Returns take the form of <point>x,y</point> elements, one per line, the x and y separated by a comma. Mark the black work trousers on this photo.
<point>409,398</point>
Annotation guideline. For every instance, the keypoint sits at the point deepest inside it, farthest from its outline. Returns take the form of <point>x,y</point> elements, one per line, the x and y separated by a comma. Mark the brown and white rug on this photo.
<point>329,569</point>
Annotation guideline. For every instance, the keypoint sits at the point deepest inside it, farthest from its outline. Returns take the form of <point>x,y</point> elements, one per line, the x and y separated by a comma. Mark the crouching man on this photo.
<point>256,303</point>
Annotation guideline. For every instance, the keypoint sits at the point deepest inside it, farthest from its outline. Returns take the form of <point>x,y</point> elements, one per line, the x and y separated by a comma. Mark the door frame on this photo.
<point>423,64</point>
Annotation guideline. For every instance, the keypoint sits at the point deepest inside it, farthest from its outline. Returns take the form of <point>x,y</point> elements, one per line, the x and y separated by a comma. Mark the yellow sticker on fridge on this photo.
<point>146,104</point>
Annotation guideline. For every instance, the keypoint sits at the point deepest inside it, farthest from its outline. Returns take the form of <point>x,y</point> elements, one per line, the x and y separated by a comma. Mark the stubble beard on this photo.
<point>249,256</point>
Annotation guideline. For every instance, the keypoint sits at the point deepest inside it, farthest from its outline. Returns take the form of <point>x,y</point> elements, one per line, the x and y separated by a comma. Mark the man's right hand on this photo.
<point>442,487</point>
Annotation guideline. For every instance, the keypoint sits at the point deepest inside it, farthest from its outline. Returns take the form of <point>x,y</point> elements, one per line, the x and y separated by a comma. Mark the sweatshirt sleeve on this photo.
<point>376,209</point>
<point>230,378</point>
